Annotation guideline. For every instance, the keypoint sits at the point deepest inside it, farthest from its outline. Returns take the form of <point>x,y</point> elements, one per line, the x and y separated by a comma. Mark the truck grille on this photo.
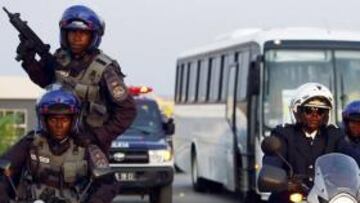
<point>129,157</point>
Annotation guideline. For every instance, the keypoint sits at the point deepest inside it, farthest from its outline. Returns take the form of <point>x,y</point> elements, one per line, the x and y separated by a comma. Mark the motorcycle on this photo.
<point>337,178</point>
<point>52,197</point>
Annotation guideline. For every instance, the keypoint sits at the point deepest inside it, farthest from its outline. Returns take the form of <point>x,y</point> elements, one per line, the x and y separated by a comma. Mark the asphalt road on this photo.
<point>183,193</point>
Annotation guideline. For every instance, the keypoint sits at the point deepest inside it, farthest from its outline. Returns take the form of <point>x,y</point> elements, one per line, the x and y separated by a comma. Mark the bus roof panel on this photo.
<point>260,36</point>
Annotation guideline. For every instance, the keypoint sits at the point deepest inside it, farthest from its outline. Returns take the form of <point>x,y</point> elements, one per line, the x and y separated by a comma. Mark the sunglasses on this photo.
<point>308,110</point>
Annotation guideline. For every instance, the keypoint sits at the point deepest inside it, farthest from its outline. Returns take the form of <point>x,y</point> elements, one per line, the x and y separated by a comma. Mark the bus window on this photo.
<point>208,82</point>
<point>242,75</point>
<point>180,81</point>
<point>215,78</point>
<point>221,86</point>
<point>230,95</point>
<point>177,81</point>
<point>192,82</point>
<point>184,82</point>
<point>285,70</point>
<point>225,77</point>
<point>197,80</point>
<point>348,72</point>
<point>203,77</point>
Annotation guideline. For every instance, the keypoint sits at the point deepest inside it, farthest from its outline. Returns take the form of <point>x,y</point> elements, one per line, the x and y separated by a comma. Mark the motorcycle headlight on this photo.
<point>296,197</point>
<point>160,156</point>
<point>343,198</point>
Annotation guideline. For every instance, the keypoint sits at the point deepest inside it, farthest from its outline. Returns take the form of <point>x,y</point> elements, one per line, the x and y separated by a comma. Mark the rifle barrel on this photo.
<point>9,14</point>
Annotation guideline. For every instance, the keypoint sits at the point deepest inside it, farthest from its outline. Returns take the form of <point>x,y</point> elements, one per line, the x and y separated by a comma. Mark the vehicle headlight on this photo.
<point>343,198</point>
<point>160,156</point>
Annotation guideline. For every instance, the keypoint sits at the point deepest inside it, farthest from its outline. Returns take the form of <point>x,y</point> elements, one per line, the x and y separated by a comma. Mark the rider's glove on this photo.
<point>294,185</point>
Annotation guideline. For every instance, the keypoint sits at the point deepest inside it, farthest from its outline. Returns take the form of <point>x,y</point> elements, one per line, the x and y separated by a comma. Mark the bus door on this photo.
<point>230,115</point>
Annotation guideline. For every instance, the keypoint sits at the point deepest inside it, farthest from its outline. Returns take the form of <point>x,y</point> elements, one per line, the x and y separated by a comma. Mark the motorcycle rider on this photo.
<point>351,126</point>
<point>108,109</point>
<point>49,163</point>
<point>309,137</point>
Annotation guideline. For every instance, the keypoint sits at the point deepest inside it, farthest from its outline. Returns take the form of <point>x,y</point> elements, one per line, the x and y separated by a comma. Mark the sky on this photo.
<point>146,36</point>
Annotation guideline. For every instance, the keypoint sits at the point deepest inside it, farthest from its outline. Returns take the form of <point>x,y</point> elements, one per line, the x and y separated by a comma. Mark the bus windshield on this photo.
<point>285,70</point>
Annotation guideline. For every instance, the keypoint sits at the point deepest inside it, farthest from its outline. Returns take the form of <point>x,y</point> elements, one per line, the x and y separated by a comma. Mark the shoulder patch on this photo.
<point>115,85</point>
<point>97,158</point>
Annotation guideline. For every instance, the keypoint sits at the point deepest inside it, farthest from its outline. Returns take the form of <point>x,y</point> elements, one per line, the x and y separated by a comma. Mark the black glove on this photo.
<point>85,138</point>
<point>25,50</point>
<point>295,185</point>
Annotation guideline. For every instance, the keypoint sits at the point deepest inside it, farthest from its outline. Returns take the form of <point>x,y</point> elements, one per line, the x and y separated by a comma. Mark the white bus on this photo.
<point>231,93</point>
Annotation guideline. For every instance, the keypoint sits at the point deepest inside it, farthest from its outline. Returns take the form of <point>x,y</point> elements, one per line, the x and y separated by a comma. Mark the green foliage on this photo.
<point>8,132</point>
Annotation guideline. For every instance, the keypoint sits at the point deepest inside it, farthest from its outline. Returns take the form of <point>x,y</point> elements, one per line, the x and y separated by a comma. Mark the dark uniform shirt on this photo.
<point>351,147</point>
<point>122,110</point>
<point>301,152</point>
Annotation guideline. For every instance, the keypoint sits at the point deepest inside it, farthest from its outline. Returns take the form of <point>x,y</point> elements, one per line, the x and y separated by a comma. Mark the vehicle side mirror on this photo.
<point>169,127</point>
<point>271,145</point>
<point>254,77</point>
<point>272,179</point>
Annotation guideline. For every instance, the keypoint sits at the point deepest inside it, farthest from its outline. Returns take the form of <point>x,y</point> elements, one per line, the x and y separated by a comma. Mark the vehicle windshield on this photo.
<point>148,119</point>
<point>285,70</point>
<point>337,171</point>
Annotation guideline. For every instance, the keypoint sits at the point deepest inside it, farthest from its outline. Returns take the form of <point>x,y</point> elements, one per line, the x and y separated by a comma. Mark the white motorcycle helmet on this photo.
<point>305,95</point>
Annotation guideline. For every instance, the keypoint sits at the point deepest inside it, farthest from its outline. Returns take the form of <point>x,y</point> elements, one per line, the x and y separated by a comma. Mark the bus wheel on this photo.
<point>197,183</point>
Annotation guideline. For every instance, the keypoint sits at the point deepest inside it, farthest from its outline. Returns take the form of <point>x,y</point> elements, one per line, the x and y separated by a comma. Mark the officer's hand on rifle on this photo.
<point>25,50</point>
<point>85,138</point>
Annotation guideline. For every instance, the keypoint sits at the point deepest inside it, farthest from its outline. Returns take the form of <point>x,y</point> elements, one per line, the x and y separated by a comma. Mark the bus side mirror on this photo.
<point>169,127</point>
<point>254,77</point>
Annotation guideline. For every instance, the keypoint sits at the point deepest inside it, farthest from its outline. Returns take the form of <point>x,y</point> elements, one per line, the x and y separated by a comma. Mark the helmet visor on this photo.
<point>76,25</point>
<point>353,117</point>
<point>318,103</point>
<point>58,109</point>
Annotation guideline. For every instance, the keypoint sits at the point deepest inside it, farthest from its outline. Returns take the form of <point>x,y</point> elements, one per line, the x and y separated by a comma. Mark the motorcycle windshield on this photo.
<point>338,173</point>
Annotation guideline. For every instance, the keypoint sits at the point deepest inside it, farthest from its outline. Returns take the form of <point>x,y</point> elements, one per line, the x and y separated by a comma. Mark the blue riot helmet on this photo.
<point>58,100</point>
<point>80,17</point>
<point>351,112</point>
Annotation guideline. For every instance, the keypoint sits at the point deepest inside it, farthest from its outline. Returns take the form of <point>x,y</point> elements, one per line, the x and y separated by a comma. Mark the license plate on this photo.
<point>125,176</point>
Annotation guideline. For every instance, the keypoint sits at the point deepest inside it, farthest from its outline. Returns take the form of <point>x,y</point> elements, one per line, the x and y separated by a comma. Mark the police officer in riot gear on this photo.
<point>107,108</point>
<point>351,121</point>
<point>309,137</point>
<point>51,163</point>
<point>351,126</point>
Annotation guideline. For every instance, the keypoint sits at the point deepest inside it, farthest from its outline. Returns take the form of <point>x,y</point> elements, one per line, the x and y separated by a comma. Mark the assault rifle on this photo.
<point>28,36</point>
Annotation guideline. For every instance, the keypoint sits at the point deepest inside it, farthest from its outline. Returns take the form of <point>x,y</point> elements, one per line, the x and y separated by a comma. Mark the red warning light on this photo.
<point>135,91</point>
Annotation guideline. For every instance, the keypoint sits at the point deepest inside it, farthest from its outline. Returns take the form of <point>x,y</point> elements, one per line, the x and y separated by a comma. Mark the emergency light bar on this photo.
<point>135,91</point>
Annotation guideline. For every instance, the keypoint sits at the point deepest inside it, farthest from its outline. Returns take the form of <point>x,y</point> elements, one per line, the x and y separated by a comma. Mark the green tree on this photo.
<point>8,132</point>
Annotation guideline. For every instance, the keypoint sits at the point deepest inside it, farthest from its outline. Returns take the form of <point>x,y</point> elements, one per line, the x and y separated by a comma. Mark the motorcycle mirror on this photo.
<point>271,145</point>
<point>272,179</point>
